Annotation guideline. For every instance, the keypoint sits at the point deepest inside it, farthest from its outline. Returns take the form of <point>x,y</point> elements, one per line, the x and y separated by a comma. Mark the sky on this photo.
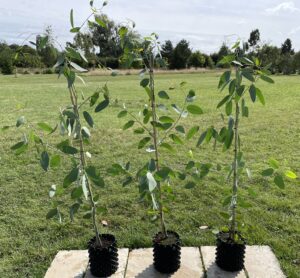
<point>206,24</point>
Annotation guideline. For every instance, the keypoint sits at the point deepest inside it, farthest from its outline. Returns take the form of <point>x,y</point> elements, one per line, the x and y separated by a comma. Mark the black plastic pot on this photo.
<point>103,259</point>
<point>166,252</point>
<point>230,255</point>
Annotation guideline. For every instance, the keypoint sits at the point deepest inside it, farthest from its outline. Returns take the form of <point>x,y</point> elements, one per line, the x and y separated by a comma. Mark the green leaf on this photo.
<point>194,109</point>
<point>122,114</point>
<point>100,22</point>
<point>176,139</point>
<point>166,119</point>
<point>69,150</point>
<point>252,91</point>
<point>71,177</point>
<point>144,142</point>
<point>52,213</point>
<point>192,132</point>
<point>290,174</point>
<point>260,96</point>
<point>18,145</point>
<point>45,127</point>
<point>76,193</point>
<point>248,74</point>
<point>85,132</point>
<point>228,108</point>
<point>102,105</point>
<point>44,160</point>
<point>168,147</point>
<point>55,161</point>
<point>94,98</point>
<point>94,176</point>
<point>75,30</point>
<point>163,95</point>
<point>20,121</point>
<point>273,163</point>
<point>268,172</point>
<point>201,138</point>
<point>88,118</point>
<point>267,79</point>
<point>180,129</point>
<point>227,59</point>
<point>223,101</point>
<point>129,124</point>
<point>224,79</point>
<point>244,204</point>
<point>191,96</point>
<point>77,67</point>
<point>279,181</point>
<point>72,18</point>
<point>139,130</point>
<point>145,82</point>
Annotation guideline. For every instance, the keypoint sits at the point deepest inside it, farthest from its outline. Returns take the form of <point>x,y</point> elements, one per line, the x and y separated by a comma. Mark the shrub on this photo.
<point>6,63</point>
<point>48,71</point>
<point>196,60</point>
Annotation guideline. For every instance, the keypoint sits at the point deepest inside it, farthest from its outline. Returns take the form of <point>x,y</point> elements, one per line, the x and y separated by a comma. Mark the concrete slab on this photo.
<point>212,270</point>
<point>123,258</point>
<point>68,264</point>
<point>140,264</point>
<point>74,264</point>
<point>260,262</point>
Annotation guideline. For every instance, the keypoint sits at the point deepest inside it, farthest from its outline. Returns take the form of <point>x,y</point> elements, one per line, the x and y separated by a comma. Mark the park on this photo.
<point>141,155</point>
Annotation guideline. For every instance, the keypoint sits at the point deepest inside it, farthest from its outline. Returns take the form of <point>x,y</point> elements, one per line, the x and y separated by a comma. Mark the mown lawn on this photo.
<point>29,242</point>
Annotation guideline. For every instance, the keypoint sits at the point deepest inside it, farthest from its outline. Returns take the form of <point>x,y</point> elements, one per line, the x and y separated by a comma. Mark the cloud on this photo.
<point>283,8</point>
<point>294,30</point>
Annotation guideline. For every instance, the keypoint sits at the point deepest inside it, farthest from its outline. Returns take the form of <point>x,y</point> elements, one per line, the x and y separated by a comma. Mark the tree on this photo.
<point>167,51</point>
<point>286,47</point>
<point>182,53</point>
<point>254,37</point>
<point>106,37</point>
<point>6,61</point>
<point>224,51</point>
<point>269,55</point>
<point>296,62</point>
<point>197,60</point>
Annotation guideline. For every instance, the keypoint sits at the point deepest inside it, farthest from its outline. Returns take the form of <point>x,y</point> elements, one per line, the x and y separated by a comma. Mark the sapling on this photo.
<point>83,175</point>
<point>241,80</point>
<point>155,177</point>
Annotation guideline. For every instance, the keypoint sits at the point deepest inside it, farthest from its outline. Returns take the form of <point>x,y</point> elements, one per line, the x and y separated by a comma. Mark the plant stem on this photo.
<point>83,165</point>
<point>155,143</point>
<point>235,173</point>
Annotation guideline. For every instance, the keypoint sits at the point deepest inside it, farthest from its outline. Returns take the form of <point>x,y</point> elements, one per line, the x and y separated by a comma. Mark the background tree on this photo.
<point>182,53</point>
<point>254,38</point>
<point>286,47</point>
<point>167,51</point>
<point>196,60</point>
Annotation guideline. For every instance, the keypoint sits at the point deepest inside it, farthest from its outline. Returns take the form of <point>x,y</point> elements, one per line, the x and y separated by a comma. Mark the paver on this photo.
<point>140,264</point>
<point>74,264</point>
<point>260,262</point>
<point>68,264</point>
<point>123,258</point>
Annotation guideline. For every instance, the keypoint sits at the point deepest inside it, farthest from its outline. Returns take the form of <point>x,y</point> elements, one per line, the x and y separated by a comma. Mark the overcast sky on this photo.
<point>204,23</point>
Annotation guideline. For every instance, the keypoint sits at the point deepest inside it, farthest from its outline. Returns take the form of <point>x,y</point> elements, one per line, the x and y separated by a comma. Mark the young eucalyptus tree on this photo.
<point>74,123</point>
<point>160,128</point>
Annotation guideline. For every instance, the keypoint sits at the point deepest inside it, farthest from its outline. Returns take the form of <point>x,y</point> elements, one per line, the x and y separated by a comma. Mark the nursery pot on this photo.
<point>103,259</point>
<point>166,252</point>
<point>230,255</point>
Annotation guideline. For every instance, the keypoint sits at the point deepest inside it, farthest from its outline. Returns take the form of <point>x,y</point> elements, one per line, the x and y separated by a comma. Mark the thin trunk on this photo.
<point>83,165</point>
<point>155,143</point>
<point>235,173</point>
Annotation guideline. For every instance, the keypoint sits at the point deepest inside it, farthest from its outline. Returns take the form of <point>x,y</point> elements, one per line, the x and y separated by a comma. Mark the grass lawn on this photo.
<point>29,242</point>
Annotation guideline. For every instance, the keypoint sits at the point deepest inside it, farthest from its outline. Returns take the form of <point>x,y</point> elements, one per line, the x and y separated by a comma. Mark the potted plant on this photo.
<point>241,80</point>
<point>75,123</point>
<point>155,176</point>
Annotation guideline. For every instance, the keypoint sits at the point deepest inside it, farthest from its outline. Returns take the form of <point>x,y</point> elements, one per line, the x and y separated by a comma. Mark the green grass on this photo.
<point>28,242</point>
